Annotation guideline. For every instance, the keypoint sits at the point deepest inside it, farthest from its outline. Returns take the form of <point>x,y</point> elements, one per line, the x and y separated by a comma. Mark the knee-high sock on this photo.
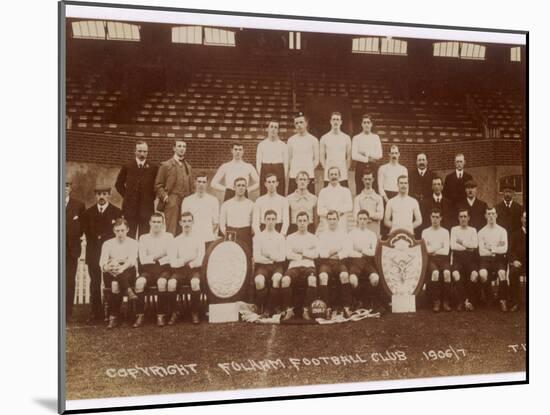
<point>140,303</point>
<point>286,294</point>
<point>446,291</point>
<point>324,294</point>
<point>274,298</point>
<point>346,294</point>
<point>261,296</point>
<point>195,301</point>
<point>172,299</point>
<point>311,294</point>
<point>162,305</point>
<point>502,289</point>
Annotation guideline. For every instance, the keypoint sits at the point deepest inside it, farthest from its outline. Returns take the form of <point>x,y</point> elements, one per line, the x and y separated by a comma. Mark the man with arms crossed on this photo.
<point>301,251</point>
<point>236,215</point>
<point>269,257</point>
<point>437,245</point>
<point>186,254</point>
<point>335,150</point>
<point>333,250</point>
<point>237,167</point>
<point>334,197</point>
<point>465,261</point>
<point>371,202</point>
<point>272,157</point>
<point>364,278</point>
<point>302,201</point>
<point>155,267</point>
<point>270,201</point>
<point>118,262</point>
<point>366,150</point>
<point>303,154</point>
<point>205,209</point>
<point>402,211</point>
<point>493,245</point>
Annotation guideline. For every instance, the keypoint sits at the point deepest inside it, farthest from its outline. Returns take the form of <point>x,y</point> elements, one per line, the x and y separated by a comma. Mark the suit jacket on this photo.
<point>477,213</point>
<point>74,229</point>
<point>510,218</point>
<point>420,187</point>
<point>446,212</point>
<point>518,245</point>
<point>453,189</point>
<point>99,228</point>
<point>165,183</point>
<point>137,187</point>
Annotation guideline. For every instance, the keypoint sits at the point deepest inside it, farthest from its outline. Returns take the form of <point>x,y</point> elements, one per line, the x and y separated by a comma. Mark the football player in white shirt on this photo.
<point>118,262</point>
<point>334,197</point>
<point>155,266</point>
<point>333,251</point>
<point>366,150</point>
<point>229,171</point>
<point>236,215</point>
<point>335,150</point>
<point>437,245</point>
<point>403,211</point>
<point>269,257</point>
<point>363,276</point>
<point>465,261</point>
<point>388,174</point>
<point>271,201</point>
<point>272,157</point>
<point>186,255</point>
<point>301,252</point>
<point>303,154</point>
<point>493,245</point>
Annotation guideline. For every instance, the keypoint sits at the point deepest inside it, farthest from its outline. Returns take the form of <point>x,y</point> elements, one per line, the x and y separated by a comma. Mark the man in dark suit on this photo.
<point>136,184</point>
<point>436,200</point>
<point>172,184</point>
<point>517,258</point>
<point>476,207</point>
<point>454,188</point>
<point>420,180</point>
<point>98,227</point>
<point>509,211</point>
<point>74,215</point>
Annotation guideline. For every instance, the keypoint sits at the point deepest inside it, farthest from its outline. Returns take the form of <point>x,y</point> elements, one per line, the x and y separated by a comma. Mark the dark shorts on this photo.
<point>299,275</point>
<point>438,263</point>
<point>125,279</point>
<point>362,267</point>
<point>493,264</point>
<point>267,270</point>
<point>333,267</point>
<point>464,262</point>
<point>152,273</point>
<point>184,275</point>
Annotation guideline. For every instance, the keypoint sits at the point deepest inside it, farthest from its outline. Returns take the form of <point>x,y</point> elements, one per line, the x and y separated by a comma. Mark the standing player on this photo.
<point>388,174</point>
<point>236,215</point>
<point>333,250</point>
<point>335,150</point>
<point>272,157</point>
<point>476,207</point>
<point>205,209</point>
<point>454,188</point>
<point>366,150</point>
<point>118,262</point>
<point>155,267</point>
<point>303,154</point>
<point>301,252</point>
<point>493,245</point>
<point>421,179</point>
<point>363,275</point>
<point>98,227</point>
<point>334,197</point>
<point>302,201</point>
<point>74,217</point>
<point>518,259</point>
<point>464,247</point>
<point>172,184</point>
<point>371,202</point>
<point>229,171</point>
<point>402,211</point>
<point>136,184</point>
<point>186,254</point>
<point>437,245</point>
<point>270,201</point>
<point>269,257</point>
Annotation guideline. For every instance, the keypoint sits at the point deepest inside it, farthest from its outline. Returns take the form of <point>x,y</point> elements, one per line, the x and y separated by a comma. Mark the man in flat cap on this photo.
<point>98,227</point>
<point>74,216</point>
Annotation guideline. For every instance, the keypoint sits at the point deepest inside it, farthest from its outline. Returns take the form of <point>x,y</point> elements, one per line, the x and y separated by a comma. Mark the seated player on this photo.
<point>236,215</point>
<point>333,251</point>
<point>465,261</point>
<point>270,201</point>
<point>155,267</point>
<point>269,256</point>
<point>186,254</point>
<point>437,245</point>
<point>334,197</point>
<point>493,245</point>
<point>301,251</point>
<point>518,257</point>
<point>362,269</point>
<point>118,262</point>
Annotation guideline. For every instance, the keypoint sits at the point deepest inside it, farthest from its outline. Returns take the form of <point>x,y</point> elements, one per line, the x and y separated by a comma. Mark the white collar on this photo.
<point>436,197</point>
<point>66,200</point>
<point>459,172</point>
<point>141,163</point>
<point>471,203</point>
<point>422,171</point>
<point>178,160</point>
<point>102,208</point>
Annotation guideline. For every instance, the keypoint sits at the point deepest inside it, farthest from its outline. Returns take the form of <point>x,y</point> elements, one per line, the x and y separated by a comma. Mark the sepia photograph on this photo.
<point>261,206</point>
